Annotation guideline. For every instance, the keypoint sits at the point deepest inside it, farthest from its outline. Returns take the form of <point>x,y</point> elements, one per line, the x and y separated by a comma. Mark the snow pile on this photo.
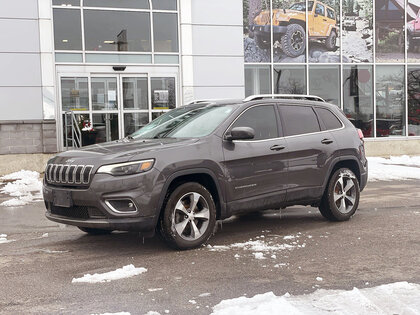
<point>25,186</point>
<point>3,239</point>
<point>121,273</point>
<point>119,313</point>
<point>394,298</point>
<point>394,168</point>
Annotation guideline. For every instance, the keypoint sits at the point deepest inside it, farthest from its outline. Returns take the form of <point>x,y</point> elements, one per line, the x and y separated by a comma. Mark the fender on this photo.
<point>192,171</point>
<point>334,162</point>
<point>332,28</point>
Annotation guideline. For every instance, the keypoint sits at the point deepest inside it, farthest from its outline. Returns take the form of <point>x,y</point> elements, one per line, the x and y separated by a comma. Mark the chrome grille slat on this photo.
<point>68,174</point>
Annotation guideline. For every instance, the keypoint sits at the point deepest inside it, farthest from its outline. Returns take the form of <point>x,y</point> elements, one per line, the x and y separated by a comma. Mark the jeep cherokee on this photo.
<point>207,161</point>
<point>289,27</point>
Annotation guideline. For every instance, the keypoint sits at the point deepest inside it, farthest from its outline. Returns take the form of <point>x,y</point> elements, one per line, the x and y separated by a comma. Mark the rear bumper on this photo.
<point>364,176</point>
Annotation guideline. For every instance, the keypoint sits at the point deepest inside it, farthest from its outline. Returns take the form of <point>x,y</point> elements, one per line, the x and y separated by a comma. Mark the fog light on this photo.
<point>121,205</point>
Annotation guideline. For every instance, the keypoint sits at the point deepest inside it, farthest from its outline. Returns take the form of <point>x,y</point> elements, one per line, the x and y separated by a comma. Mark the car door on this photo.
<point>310,151</point>
<point>256,169</point>
<point>320,21</point>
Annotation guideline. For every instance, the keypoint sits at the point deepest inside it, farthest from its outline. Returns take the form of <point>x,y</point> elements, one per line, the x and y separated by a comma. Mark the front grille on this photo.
<point>68,174</point>
<point>76,212</point>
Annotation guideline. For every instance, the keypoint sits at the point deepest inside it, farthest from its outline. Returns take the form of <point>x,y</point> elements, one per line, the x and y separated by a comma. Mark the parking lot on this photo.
<point>292,250</point>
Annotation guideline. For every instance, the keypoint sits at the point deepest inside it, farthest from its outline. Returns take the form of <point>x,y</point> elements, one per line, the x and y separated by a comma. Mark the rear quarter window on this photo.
<point>299,120</point>
<point>328,118</point>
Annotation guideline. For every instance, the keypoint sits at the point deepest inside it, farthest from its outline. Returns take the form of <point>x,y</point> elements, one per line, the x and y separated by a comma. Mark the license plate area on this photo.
<point>62,198</point>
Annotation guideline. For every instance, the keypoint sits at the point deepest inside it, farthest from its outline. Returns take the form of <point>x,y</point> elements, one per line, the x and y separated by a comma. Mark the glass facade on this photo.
<point>137,34</point>
<point>361,55</point>
<point>112,32</point>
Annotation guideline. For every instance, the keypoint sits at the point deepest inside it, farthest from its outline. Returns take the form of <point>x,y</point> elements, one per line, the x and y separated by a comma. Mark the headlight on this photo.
<point>127,168</point>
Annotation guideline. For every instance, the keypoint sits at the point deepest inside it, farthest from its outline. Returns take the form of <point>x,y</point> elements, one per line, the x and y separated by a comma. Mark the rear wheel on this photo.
<point>92,231</point>
<point>341,199</point>
<point>331,41</point>
<point>189,217</point>
<point>293,42</point>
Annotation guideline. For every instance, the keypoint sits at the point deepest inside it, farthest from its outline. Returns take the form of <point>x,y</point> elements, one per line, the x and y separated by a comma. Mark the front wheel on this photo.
<point>331,41</point>
<point>189,217</point>
<point>341,199</point>
<point>293,42</point>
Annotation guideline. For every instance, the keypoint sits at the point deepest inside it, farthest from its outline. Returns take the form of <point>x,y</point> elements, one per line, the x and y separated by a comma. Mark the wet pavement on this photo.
<point>380,244</point>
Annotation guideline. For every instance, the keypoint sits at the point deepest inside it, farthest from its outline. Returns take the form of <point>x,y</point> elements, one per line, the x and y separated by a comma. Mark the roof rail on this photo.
<point>285,96</point>
<point>198,102</point>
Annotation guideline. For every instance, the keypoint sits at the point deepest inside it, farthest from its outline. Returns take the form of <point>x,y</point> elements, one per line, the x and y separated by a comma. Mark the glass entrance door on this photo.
<point>112,106</point>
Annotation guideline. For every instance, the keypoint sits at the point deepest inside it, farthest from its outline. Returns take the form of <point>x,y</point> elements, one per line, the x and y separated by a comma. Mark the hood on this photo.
<point>118,151</point>
<point>287,14</point>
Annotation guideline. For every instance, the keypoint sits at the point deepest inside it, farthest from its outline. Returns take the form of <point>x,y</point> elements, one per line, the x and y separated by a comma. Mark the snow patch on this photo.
<point>394,298</point>
<point>121,273</point>
<point>25,186</point>
<point>118,313</point>
<point>4,240</point>
<point>395,168</point>
<point>204,294</point>
<point>154,289</point>
<point>259,255</point>
<point>319,279</point>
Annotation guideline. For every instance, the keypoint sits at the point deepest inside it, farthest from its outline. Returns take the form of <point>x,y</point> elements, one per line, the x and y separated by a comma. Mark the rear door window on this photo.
<point>260,118</point>
<point>329,119</point>
<point>298,120</point>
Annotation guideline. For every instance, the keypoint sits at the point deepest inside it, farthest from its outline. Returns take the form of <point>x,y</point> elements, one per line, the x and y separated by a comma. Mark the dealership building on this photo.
<point>79,72</point>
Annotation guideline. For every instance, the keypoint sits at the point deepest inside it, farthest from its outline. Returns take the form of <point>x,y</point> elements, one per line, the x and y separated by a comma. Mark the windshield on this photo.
<point>185,122</point>
<point>300,6</point>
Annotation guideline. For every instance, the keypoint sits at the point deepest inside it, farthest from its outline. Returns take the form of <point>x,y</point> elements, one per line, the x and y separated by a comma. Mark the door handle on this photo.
<point>277,147</point>
<point>326,141</point>
<point>325,20</point>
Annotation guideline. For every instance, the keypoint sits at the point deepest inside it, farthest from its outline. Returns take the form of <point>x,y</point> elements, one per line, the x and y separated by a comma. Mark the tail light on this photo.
<point>361,137</point>
<point>362,140</point>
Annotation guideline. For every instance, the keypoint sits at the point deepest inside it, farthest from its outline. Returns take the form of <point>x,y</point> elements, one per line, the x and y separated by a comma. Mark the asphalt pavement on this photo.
<point>379,245</point>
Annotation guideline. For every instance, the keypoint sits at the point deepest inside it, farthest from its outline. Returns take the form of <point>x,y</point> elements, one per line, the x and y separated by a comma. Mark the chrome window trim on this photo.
<point>284,137</point>
<point>121,212</point>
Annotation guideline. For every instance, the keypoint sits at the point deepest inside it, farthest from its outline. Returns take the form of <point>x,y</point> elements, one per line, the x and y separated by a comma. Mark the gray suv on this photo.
<point>207,161</point>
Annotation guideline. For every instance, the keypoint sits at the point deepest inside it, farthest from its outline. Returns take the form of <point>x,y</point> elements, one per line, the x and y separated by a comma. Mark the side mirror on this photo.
<point>316,14</point>
<point>240,133</point>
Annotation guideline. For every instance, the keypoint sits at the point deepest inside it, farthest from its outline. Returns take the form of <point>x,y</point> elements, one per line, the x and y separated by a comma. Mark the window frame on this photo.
<point>321,121</point>
<point>278,122</point>
<point>300,134</point>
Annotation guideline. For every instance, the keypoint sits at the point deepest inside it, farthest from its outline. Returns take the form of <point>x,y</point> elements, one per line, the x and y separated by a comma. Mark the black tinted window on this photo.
<point>299,120</point>
<point>319,9</point>
<point>262,119</point>
<point>328,118</point>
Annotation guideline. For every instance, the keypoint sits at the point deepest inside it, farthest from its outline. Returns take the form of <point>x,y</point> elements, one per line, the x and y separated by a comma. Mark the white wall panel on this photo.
<point>218,12</point>
<point>15,9</point>
<point>219,92</point>
<point>20,70</point>
<point>19,35</point>
<point>218,71</point>
<point>217,40</point>
<point>20,103</point>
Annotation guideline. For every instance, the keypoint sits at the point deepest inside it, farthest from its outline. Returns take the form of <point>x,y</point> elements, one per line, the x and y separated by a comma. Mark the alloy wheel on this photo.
<point>297,40</point>
<point>344,193</point>
<point>191,216</point>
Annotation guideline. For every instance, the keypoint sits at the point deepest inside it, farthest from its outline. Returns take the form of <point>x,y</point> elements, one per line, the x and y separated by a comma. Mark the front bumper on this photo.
<point>266,29</point>
<point>89,208</point>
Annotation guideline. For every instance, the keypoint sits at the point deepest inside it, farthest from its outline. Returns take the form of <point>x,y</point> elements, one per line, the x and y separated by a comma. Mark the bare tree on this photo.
<point>255,7</point>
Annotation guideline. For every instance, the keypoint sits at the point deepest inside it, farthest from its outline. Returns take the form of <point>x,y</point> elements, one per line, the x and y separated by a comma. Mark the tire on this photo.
<point>184,229</point>
<point>92,231</point>
<point>331,40</point>
<point>336,210</point>
<point>293,42</point>
<point>262,42</point>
